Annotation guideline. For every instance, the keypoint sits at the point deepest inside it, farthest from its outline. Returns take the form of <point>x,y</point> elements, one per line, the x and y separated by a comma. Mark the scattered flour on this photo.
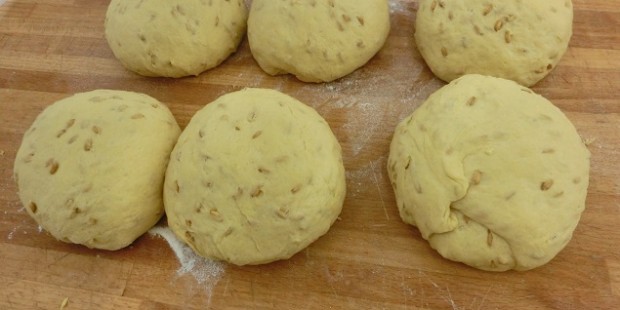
<point>361,126</point>
<point>206,272</point>
<point>12,233</point>
<point>397,6</point>
<point>2,2</point>
<point>24,228</point>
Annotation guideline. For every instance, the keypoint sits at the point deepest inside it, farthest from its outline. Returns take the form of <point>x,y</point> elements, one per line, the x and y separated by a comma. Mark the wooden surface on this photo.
<point>370,259</point>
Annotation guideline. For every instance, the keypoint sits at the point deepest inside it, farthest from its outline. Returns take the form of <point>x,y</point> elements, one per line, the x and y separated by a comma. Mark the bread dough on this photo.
<point>174,38</point>
<point>90,169</point>
<point>492,174</point>
<point>255,177</point>
<point>318,40</point>
<point>520,40</point>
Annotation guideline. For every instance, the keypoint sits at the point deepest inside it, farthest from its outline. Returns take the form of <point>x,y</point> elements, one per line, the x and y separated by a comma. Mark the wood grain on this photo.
<point>370,259</point>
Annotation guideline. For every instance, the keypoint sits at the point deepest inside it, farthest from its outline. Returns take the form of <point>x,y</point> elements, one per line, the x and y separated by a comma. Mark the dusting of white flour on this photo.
<point>395,6</point>
<point>206,272</point>
<point>12,233</point>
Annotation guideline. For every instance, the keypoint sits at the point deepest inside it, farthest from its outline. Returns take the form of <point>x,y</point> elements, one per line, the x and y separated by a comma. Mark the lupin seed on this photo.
<point>546,185</point>
<point>476,177</point>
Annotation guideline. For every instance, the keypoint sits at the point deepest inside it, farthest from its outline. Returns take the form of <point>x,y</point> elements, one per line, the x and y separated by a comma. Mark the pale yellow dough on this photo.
<point>316,40</point>
<point>492,174</point>
<point>520,40</point>
<point>90,169</point>
<point>174,38</point>
<point>256,176</point>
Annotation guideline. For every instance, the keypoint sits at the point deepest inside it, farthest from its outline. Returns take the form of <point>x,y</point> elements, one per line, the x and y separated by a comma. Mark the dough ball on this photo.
<point>255,177</point>
<point>492,174</point>
<point>174,38</point>
<point>520,40</point>
<point>90,169</point>
<point>318,40</point>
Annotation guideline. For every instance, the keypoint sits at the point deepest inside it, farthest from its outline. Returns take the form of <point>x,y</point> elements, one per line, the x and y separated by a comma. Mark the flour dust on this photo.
<point>206,272</point>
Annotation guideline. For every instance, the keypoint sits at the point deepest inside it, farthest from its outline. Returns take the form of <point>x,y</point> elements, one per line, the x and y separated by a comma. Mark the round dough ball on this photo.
<point>174,38</point>
<point>520,40</point>
<point>492,174</point>
<point>90,169</point>
<point>319,40</point>
<point>255,177</point>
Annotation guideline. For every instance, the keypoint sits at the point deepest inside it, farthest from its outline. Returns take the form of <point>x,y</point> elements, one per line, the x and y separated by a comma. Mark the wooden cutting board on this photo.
<point>50,49</point>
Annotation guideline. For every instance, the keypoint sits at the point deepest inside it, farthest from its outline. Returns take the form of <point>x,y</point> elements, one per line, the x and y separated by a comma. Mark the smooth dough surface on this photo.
<point>318,40</point>
<point>255,177</point>
<point>492,174</point>
<point>174,38</point>
<point>90,169</point>
<point>520,40</point>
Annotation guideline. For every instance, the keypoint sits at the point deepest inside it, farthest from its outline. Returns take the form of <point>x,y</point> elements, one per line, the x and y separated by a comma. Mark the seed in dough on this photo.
<point>254,198</point>
<point>98,184</point>
<point>480,181</point>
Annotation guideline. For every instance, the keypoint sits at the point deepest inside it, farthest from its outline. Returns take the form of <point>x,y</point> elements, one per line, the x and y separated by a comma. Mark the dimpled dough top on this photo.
<point>316,40</point>
<point>174,38</point>
<point>90,169</point>
<point>520,40</point>
<point>492,174</point>
<point>255,177</point>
